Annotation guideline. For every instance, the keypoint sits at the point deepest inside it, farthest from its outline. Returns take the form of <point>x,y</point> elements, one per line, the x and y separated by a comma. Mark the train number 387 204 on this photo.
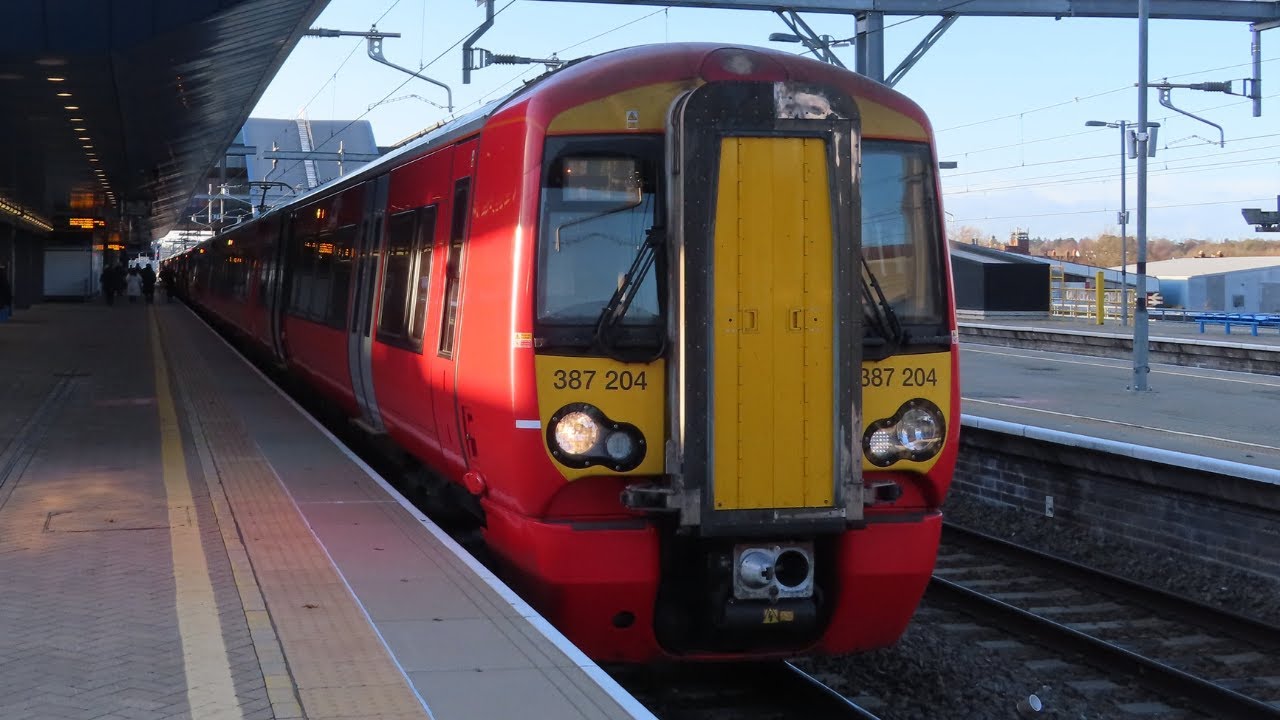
<point>612,379</point>
<point>899,377</point>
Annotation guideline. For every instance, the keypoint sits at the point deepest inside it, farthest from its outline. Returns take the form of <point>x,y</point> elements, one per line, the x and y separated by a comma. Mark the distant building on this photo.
<point>995,283</point>
<point>1019,242</point>
<point>270,162</point>
<point>1219,284</point>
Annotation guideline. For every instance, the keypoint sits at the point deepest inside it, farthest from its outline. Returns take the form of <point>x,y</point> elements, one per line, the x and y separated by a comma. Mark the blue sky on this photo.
<point>1008,98</point>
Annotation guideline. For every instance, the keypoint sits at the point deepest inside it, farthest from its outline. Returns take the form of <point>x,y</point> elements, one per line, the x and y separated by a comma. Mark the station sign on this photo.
<point>86,223</point>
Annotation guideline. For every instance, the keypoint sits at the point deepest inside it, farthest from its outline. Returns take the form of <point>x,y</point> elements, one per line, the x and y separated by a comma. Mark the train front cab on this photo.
<point>780,488</point>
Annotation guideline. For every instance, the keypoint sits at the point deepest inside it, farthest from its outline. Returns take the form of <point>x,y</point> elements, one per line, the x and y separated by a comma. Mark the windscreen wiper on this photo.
<point>880,313</point>
<point>613,312</point>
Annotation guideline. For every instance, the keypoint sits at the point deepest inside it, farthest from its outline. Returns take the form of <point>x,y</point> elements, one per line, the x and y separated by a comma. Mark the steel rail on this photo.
<point>836,700</point>
<point>1206,696</point>
<point>1187,609</point>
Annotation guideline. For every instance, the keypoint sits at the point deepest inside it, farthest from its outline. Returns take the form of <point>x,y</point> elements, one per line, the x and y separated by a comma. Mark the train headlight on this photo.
<point>920,431</point>
<point>915,432</point>
<point>881,447</point>
<point>580,435</point>
<point>576,433</point>
<point>619,446</point>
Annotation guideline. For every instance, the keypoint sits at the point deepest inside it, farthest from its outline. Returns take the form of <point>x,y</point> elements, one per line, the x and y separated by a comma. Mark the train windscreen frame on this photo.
<point>601,197</point>
<point>901,240</point>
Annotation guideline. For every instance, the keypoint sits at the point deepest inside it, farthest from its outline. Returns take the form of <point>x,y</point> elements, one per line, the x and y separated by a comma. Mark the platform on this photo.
<point>1219,414</point>
<point>1172,330</point>
<point>177,540</point>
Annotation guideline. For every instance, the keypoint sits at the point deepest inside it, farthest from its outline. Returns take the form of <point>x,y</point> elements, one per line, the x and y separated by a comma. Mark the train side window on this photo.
<point>304,244</point>
<point>304,276</point>
<point>425,241</point>
<point>343,251</point>
<point>227,277</point>
<point>395,282</point>
<point>323,278</point>
<point>241,266</point>
<point>453,267</point>
<point>293,252</point>
<point>264,276</point>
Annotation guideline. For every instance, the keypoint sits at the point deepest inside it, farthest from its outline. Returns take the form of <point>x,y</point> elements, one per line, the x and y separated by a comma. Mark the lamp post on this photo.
<point>1123,217</point>
<point>1141,143</point>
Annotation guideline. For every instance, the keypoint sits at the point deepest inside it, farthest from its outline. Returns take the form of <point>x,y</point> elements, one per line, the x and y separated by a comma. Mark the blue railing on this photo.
<point>1253,321</point>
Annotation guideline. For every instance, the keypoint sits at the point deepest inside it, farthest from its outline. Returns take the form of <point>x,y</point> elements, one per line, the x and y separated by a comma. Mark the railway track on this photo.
<point>742,691</point>
<point>1224,665</point>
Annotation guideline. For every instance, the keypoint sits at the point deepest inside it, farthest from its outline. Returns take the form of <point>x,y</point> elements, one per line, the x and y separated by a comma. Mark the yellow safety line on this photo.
<point>210,691</point>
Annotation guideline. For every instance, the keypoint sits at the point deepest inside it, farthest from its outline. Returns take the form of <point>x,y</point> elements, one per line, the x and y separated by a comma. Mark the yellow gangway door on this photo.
<point>772,310</point>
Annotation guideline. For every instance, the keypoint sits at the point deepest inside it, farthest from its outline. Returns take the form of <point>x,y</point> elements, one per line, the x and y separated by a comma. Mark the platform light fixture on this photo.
<point>55,78</point>
<point>70,107</point>
<point>64,94</point>
<point>23,215</point>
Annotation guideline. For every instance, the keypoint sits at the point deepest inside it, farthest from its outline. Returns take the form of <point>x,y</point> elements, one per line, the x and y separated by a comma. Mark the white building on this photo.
<point>1225,284</point>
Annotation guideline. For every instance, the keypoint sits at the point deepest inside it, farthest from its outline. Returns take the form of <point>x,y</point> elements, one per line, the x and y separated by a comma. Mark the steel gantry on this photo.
<point>869,15</point>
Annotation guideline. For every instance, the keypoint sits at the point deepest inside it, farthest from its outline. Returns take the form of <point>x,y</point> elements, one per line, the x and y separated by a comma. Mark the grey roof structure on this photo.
<point>156,88</point>
<point>228,195</point>
<point>1191,267</point>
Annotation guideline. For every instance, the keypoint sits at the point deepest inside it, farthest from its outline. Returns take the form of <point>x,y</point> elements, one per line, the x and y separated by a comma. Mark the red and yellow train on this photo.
<point>677,319</point>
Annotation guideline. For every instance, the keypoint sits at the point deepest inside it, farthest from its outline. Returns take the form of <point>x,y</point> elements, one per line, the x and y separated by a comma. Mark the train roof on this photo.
<point>640,65</point>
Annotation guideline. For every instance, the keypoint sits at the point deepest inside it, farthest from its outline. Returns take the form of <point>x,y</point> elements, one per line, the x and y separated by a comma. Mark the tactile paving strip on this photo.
<point>331,655</point>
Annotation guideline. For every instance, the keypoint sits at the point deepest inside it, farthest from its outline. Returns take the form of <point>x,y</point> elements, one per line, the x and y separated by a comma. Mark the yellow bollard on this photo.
<point>1101,285</point>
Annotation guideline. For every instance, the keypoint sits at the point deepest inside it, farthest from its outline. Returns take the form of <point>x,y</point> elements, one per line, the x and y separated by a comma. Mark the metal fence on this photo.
<point>1077,301</point>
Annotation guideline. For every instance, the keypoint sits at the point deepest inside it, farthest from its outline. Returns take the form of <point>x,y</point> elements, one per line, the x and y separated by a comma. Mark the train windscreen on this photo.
<point>900,241</point>
<point>599,203</point>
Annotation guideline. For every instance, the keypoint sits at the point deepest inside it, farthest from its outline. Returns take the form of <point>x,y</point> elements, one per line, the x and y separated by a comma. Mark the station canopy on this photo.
<point>131,101</point>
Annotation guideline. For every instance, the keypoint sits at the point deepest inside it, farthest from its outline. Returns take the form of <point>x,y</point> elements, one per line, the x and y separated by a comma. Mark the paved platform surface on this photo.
<point>178,541</point>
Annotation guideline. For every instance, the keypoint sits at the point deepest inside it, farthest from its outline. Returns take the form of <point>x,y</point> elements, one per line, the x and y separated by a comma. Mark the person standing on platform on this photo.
<point>107,282</point>
<point>119,277</point>
<point>148,284</point>
<point>133,285</point>
<point>168,278</point>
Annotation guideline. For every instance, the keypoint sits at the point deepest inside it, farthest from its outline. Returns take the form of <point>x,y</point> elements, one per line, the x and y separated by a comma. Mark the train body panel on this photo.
<point>316,351</point>
<point>495,338</point>
<point>406,330</point>
<point>678,318</point>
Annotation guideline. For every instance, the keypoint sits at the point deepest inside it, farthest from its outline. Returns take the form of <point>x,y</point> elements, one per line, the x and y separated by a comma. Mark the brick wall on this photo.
<point>1002,481</point>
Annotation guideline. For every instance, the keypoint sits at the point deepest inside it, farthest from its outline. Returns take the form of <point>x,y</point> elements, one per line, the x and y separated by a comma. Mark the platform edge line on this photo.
<point>625,700</point>
<point>211,692</point>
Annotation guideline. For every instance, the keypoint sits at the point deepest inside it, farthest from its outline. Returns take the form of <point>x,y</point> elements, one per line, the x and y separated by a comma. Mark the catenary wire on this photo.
<point>396,89</point>
<point>1087,97</point>
<point>1108,210</point>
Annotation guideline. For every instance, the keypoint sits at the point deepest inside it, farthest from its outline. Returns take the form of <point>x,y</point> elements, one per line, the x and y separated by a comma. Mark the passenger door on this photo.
<point>444,372</point>
<point>277,290</point>
<point>368,251</point>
